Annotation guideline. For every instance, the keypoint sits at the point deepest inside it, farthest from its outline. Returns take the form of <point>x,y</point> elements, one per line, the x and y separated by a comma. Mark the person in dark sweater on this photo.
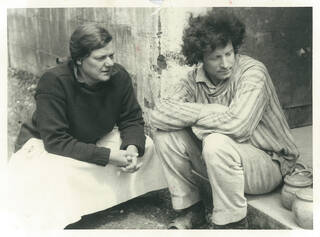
<point>82,100</point>
<point>87,134</point>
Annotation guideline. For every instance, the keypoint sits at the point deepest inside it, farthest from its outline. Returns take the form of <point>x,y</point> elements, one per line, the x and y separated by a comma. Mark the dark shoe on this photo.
<point>242,224</point>
<point>190,218</point>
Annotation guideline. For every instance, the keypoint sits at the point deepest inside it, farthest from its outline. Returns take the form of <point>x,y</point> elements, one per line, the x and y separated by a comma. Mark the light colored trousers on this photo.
<point>47,191</point>
<point>232,168</point>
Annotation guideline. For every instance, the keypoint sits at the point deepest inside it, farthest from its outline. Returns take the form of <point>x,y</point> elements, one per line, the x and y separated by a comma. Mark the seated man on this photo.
<point>225,122</point>
<point>84,150</point>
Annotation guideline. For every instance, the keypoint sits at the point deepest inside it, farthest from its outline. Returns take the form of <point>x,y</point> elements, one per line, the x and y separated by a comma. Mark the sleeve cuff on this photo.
<point>139,143</point>
<point>101,156</point>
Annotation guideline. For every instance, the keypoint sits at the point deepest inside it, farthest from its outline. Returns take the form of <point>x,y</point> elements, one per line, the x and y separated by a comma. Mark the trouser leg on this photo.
<point>179,153</point>
<point>234,169</point>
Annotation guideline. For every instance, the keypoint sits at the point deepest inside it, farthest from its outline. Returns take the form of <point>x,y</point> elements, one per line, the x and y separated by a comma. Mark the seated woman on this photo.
<point>84,149</point>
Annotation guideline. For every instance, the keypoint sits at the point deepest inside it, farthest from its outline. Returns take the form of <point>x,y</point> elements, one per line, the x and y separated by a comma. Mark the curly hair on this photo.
<point>206,33</point>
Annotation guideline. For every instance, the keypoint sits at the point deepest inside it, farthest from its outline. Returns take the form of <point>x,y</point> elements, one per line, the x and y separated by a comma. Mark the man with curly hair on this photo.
<point>225,123</point>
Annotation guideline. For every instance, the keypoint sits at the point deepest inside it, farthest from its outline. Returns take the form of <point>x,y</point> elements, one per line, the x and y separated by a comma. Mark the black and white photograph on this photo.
<point>160,117</point>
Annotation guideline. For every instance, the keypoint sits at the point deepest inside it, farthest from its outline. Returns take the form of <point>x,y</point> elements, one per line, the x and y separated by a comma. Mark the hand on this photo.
<point>118,158</point>
<point>132,158</point>
<point>132,150</point>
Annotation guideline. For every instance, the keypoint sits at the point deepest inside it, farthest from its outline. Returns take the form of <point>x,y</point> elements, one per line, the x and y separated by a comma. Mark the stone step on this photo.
<point>266,212</point>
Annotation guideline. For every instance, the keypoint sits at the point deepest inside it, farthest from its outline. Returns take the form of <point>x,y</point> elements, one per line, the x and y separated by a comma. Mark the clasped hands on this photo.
<point>127,159</point>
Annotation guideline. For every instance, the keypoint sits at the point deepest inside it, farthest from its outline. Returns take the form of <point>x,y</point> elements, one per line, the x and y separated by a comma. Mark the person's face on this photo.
<point>218,64</point>
<point>98,65</point>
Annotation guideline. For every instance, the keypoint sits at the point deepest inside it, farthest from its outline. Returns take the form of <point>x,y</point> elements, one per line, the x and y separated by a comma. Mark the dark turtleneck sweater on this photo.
<point>71,116</point>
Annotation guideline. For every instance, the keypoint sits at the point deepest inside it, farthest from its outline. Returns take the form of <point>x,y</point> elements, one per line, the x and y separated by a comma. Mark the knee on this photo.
<point>160,138</point>
<point>215,147</point>
<point>169,145</point>
<point>216,142</point>
<point>163,140</point>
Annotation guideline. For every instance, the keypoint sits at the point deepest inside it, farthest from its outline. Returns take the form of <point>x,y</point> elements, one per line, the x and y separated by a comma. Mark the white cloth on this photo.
<point>47,191</point>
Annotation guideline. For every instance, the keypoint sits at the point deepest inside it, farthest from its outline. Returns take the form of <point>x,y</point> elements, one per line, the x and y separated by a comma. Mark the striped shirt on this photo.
<point>244,107</point>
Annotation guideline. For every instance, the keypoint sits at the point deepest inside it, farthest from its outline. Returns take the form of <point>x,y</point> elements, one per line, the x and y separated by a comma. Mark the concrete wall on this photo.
<point>279,37</point>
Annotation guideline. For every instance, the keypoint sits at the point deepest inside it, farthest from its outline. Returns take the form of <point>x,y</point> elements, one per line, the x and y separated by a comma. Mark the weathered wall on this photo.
<point>279,37</point>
